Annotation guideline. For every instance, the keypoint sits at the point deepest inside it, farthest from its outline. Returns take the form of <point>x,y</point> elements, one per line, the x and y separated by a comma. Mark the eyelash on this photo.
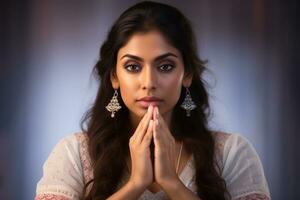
<point>170,68</point>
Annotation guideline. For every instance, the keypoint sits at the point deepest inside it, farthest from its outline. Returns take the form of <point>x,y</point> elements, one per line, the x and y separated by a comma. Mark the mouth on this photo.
<point>147,101</point>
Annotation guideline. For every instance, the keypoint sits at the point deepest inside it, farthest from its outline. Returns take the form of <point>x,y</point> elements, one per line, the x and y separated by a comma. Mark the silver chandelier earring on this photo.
<point>113,105</point>
<point>188,104</point>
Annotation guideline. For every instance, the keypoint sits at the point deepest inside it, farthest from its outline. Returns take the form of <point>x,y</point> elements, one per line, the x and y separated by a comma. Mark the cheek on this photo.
<point>173,89</point>
<point>128,90</point>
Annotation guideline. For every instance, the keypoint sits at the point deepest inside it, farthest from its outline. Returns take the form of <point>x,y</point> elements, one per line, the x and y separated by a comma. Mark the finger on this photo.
<point>155,112</point>
<point>143,120</point>
<point>155,131</point>
<point>156,138</point>
<point>161,133</point>
<point>161,124</point>
<point>148,136</point>
<point>143,125</point>
<point>145,117</point>
<point>158,116</point>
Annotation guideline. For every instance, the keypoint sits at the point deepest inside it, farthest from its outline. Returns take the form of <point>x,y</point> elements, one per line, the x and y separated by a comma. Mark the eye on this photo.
<point>133,68</point>
<point>166,67</point>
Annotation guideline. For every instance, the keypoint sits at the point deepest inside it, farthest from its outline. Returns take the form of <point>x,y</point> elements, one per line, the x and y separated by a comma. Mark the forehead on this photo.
<point>147,45</point>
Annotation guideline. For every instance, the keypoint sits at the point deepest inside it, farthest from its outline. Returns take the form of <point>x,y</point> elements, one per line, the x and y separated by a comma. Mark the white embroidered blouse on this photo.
<point>68,168</point>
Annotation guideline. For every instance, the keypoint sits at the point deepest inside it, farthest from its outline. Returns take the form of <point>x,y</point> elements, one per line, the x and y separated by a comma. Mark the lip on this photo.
<point>150,98</point>
<point>145,102</point>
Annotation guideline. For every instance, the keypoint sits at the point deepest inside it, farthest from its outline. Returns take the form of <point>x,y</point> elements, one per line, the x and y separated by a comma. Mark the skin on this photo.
<point>147,76</point>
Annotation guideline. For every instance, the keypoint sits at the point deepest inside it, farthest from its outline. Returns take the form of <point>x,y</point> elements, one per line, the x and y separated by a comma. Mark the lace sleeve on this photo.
<point>62,173</point>
<point>243,171</point>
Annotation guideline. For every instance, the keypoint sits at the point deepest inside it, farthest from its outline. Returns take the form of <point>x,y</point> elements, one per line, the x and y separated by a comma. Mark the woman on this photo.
<point>147,134</point>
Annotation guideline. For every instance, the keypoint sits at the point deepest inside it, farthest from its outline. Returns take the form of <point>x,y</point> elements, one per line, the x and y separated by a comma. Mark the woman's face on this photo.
<point>149,71</point>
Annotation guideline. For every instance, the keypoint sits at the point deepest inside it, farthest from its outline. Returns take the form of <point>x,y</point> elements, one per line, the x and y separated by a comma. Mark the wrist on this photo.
<point>136,185</point>
<point>172,186</point>
<point>177,190</point>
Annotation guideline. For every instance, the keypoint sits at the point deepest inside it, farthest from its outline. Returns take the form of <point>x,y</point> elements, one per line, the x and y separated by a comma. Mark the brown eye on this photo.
<point>133,68</point>
<point>166,67</point>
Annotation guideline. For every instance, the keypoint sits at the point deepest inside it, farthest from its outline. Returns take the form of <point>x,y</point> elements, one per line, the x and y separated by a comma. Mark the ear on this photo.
<point>114,80</point>
<point>187,80</point>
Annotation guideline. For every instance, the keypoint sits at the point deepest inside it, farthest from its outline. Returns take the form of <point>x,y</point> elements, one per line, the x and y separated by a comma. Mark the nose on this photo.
<point>149,78</point>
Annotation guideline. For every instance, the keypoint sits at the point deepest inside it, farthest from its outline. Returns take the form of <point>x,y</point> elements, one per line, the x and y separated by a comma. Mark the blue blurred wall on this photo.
<point>49,48</point>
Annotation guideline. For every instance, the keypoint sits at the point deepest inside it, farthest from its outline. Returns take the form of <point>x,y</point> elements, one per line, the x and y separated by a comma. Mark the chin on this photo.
<point>138,112</point>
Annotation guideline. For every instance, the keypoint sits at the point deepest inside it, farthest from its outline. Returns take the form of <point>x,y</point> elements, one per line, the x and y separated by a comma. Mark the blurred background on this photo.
<point>48,49</point>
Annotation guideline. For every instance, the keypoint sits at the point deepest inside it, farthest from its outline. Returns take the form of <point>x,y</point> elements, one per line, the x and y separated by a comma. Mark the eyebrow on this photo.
<point>155,60</point>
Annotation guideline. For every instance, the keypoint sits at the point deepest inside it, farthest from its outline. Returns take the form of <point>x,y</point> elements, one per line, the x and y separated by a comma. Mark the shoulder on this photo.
<point>63,170</point>
<point>226,143</point>
<point>66,149</point>
<point>241,166</point>
<point>237,147</point>
<point>232,147</point>
<point>220,139</point>
<point>79,141</point>
<point>74,143</point>
<point>74,139</point>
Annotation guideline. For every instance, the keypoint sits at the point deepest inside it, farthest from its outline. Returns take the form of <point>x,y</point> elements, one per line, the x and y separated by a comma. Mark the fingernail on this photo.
<point>150,123</point>
<point>148,108</point>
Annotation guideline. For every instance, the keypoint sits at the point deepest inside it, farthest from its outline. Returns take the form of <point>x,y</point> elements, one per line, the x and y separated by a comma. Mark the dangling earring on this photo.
<point>188,103</point>
<point>113,105</point>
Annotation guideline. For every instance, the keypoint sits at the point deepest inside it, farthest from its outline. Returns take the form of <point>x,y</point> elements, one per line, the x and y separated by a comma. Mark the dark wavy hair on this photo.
<point>109,137</point>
